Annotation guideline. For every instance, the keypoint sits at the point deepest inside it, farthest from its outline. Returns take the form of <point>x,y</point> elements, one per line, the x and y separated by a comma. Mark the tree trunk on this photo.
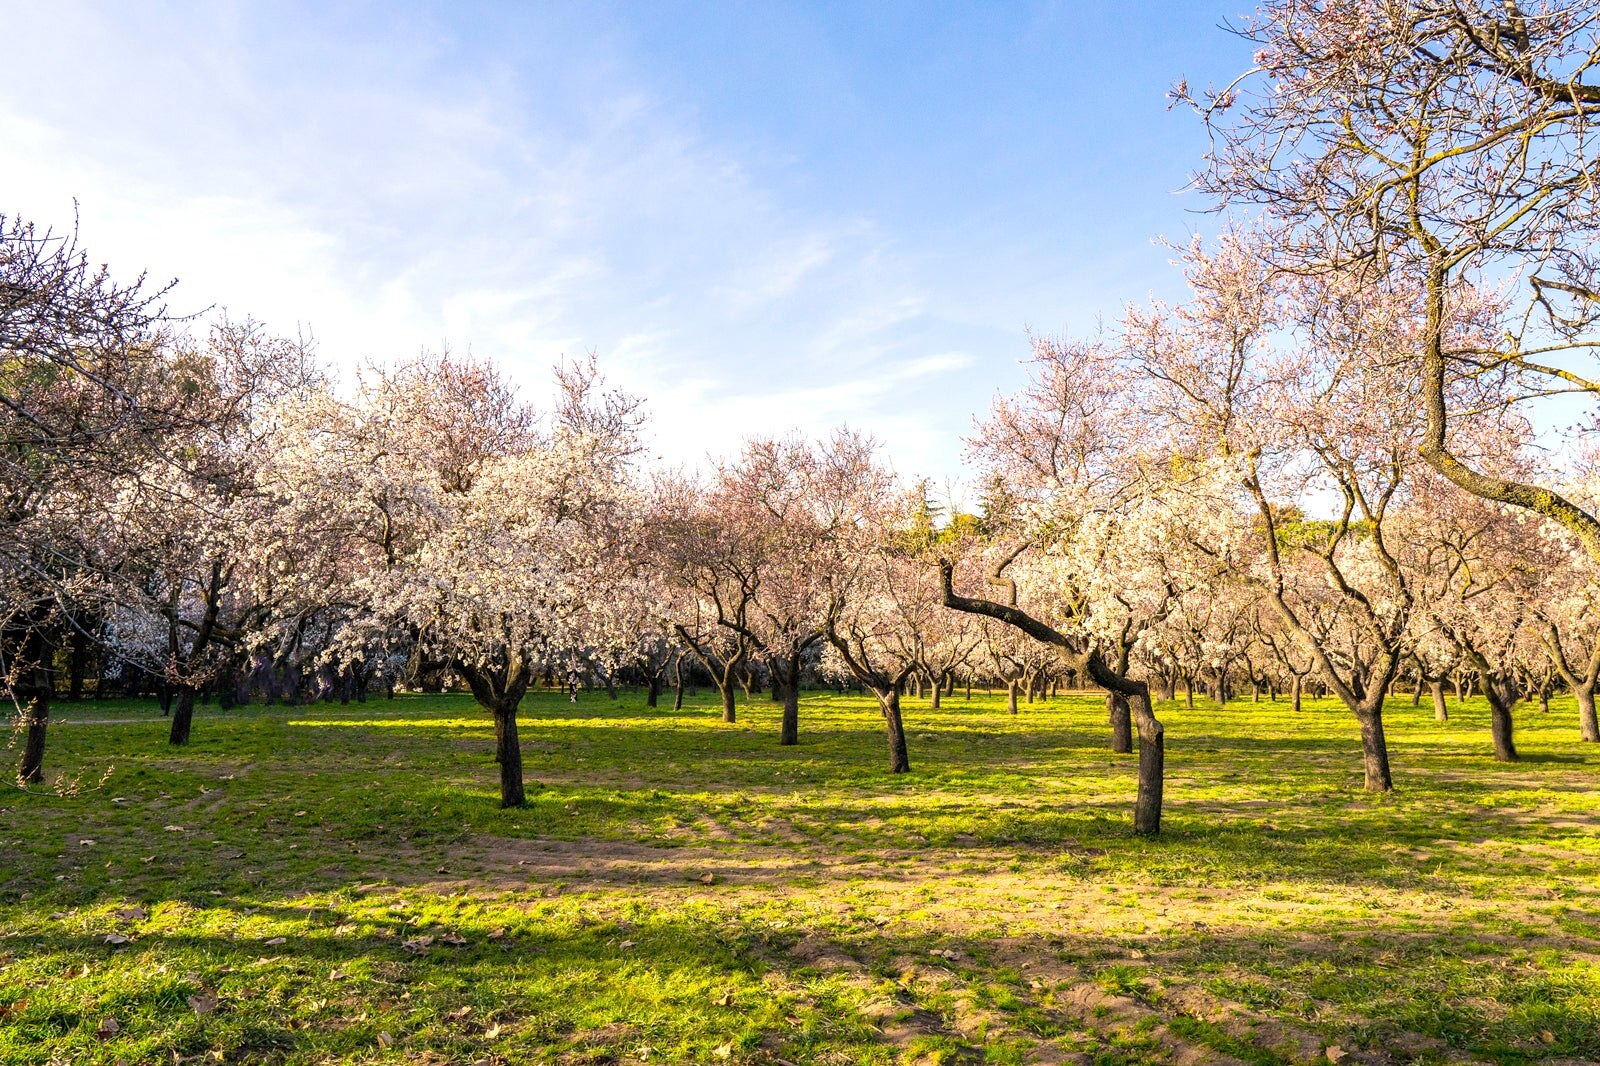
<point>729,714</point>
<point>899,761</point>
<point>1374,751</point>
<point>677,684</point>
<point>1294,693</point>
<point>1188,692</point>
<point>1500,722</point>
<point>1588,723</point>
<point>1121,723</point>
<point>182,715</point>
<point>1441,709</point>
<point>1011,695</point>
<point>508,753</point>
<point>38,712</point>
<point>1152,768</point>
<point>790,733</point>
<point>938,693</point>
<point>1416,693</point>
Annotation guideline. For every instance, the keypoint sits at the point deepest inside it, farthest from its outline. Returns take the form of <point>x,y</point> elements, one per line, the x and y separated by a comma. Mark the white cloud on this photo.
<point>390,195</point>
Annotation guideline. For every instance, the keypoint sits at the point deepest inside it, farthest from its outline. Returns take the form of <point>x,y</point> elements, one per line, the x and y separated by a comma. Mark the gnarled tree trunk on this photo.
<point>1121,718</point>
<point>182,715</point>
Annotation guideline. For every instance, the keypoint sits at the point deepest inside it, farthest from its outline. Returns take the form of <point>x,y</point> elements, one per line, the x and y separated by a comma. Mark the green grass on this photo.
<point>680,890</point>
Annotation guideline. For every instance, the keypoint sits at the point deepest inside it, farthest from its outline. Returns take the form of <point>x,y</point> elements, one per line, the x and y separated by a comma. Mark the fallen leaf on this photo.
<point>344,930</point>
<point>385,1040</point>
<point>12,1009</point>
<point>459,1013</point>
<point>79,970</point>
<point>132,914</point>
<point>204,1003</point>
<point>336,975</point>
<point>625,945</point>
<point>708,879</point>
<point>109,1028</point>
<point>174,828</point>
<point>1336,1053</point>
<point>492,1032</point>
<point>496,934</point>
<point>115,939</point>
<point>723,1051</point>
<point>453,938</point>
<point>1544,1034</point>
<point>418,945</point>
<point>299,814</point>
<point>275,941</point>
<point>86,843</point>
<point>724,1000</point>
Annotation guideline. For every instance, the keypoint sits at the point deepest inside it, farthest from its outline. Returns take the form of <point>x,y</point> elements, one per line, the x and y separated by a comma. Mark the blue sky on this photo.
<point>762,216</point>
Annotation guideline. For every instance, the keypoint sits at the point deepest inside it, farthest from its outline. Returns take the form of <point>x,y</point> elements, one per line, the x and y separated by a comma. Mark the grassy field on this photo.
<point>336,884</point>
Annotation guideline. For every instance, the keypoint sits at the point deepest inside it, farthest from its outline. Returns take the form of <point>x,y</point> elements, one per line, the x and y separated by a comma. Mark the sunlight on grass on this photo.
<point>688,891</point>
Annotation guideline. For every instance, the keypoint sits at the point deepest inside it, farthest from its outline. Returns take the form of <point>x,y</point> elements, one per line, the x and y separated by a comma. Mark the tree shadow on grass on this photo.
<point>611,977</point>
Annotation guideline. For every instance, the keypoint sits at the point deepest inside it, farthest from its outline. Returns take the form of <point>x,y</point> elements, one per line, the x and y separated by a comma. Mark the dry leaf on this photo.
<point>418,945</point>
<point>724,1000</point>
<point>132,914</point>
<point>724,1051</point>
<point>174,828</point>
<point>344,930</point>
<point>108,1028</point>
<point>385,1040</point>
<point>1336,1053</point>
<point>708,879</point>
<point>453,938</point>
<point>336,975</point>
<point>204,1003</point>
<point>626,944</point>
<point>14,1008</point>
<point>1544,1034</point>
<point>496,934</point>
<point>275,941</point>
<point>80,970</point>
<point>459,1013</point>
<point>492,1032</point>
<point>86,843</point>
<point>117,939</point>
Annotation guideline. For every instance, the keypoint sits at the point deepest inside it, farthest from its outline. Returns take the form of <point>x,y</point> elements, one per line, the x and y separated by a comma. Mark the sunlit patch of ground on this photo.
<point>334,884</point>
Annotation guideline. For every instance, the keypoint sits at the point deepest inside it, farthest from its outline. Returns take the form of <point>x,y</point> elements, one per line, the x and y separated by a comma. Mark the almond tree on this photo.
<point>492,541</point>
<point>1415,144</point>
<point>1322,414</point>
<point>879,601</point>
<point>188,556</point>
<point>87,391</point>
<point>1082,504</point>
